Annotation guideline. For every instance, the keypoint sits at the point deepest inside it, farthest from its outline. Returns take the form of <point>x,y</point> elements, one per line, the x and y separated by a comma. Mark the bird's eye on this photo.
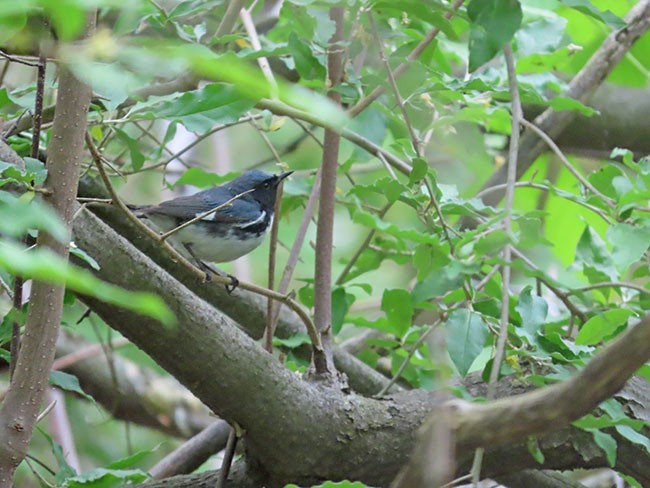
<point>267,184</point>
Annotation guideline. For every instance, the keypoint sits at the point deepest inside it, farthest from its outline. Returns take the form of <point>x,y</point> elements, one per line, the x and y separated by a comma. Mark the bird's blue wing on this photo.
<point>238,211</point>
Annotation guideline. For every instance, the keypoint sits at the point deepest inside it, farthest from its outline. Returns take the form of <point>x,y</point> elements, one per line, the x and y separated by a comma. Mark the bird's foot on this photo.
<point>232,286</point>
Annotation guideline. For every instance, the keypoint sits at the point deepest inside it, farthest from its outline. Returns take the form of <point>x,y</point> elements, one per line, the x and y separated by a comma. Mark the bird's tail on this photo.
<point>138,210</point>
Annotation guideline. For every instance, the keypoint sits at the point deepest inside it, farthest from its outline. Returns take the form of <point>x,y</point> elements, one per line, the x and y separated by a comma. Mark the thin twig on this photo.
<point>15,59</point>
<point>38,475</point>
<point>273,244</point>
<point>507,251</point>
<point>192,144</point>
<point>366,242</point>
<point>393,84</point>
<point>262,61</point>
<point>280,108</point>
<point>402,68</point>
<point>86,352</point>
<point>539,186</point>
<point>229,17</point>
<point>563,159</point>
<point>227,458</point>
<point>562,296</point>
<point>147,132</point>
<point>18,280</point>
<point>608,284</point>
<point>267,141</point>
<point>408,357</point>
<point>44,413</point>
<point>294,252</point>
<point>203,215</point>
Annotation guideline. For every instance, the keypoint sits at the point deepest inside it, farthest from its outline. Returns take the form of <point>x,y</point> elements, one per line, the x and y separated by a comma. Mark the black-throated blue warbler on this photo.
<point>228,233</point>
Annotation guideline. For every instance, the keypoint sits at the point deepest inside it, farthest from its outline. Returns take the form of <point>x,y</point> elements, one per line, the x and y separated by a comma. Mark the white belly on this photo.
<point>207,246</point>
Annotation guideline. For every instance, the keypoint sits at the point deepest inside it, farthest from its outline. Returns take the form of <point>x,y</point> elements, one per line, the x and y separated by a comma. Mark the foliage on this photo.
<point>419,269</point>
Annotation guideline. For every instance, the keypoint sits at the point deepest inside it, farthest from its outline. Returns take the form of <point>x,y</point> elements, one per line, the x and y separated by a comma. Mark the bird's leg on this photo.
<point>205,267</point>
<point>210,270</point>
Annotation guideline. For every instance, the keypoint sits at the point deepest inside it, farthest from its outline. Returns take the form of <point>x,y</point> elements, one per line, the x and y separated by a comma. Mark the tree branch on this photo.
<point>21,405</point>
<point>599,66</point>
<point>323,363</point>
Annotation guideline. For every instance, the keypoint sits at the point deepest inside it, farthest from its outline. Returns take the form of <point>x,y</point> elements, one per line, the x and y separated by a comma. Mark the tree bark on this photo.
<point>21,405</point>
<point>339,436</point>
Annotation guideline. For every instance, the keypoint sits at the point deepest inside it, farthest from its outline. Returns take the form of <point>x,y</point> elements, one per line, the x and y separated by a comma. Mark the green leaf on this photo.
<point>65,471</point>
<point>202,179</point>
<point>589,9</point>
<point>307,65</point>
<point>596,259</point>
<point>35,171</point>
<point>398,308</point>
<point>293,341</point>
<point>68,382</point>
<point>107,478</point>
<point>419,170</point>
<point>493,24</point>
<point>633,436</point>
<point>533,311</point>
<point>83,256</point>
<point>466,336</point>
<point>13,316</point>
<point>249,82</point>
<point>602,326</point>
<point>534,450</point>
<point>631,481</point>
<point>137,158</point>
<point>198,110</point>
<point>629,244</point>
<point>131,460</point>
<point>335,484</point>
<point>543,35</point>
<point>68,17</point>
<point>440,281</point>
<point>607,443</point>
<point>565,103</point>
<point>341,302</point>
<point>44,265</point>
<point>492,243</point>
<point>19,215</point>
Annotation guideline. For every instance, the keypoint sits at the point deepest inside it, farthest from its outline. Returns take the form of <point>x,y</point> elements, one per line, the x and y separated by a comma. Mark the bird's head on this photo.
<point>264,185</point>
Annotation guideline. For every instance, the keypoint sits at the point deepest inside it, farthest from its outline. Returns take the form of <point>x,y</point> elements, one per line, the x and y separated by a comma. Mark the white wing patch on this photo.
<point>258,220</point>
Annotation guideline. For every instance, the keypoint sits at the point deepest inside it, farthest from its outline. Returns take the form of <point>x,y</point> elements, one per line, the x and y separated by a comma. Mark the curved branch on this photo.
<point>550,408</point>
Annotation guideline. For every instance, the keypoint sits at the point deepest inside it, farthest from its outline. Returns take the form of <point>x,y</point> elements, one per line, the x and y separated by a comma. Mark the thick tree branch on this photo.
<point>245,308</point>
<point>133,393</point>
<point>242,383</point>
<point>549,408</point>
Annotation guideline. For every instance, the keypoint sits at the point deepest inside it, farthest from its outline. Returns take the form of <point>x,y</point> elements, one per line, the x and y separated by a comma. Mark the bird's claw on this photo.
<point>232,286</point>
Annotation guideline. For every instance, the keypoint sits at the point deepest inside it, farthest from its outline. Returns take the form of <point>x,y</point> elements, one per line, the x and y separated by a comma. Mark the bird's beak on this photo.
<point>282,176</point>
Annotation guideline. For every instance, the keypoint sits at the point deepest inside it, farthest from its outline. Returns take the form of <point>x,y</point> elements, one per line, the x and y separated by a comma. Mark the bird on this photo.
<point>238,226</point>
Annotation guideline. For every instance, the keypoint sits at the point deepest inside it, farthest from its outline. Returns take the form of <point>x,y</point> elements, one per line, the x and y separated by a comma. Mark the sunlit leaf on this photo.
<point>589,9</point>
<point>602,326</point>
<point>629,243</point>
